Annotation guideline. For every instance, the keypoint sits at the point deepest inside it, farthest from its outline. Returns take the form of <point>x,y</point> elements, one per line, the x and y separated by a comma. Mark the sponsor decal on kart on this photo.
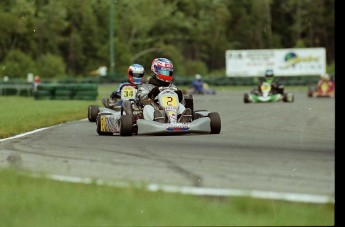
<point>113,126</point>
<point>265,87</point>
<point>109,124</point>
<point>169,101</point>
<point>103,124</point>
<point>180,127</point>
<point>128,92</point>
<point>171,108</point>
<point>324,87</point>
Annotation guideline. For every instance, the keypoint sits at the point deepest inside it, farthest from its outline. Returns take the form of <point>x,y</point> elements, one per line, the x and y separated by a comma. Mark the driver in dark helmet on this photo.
<point>162,74</point>
<point>277,88</point>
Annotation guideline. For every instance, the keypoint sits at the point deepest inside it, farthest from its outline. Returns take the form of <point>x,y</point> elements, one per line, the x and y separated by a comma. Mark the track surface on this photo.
<point>280,147</point>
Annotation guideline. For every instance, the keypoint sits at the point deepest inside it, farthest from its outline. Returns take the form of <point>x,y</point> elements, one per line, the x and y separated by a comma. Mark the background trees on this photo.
<point>71,37</point>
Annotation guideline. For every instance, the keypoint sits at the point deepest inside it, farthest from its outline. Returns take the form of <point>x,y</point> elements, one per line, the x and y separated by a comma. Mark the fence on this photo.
<point>52,91</point>
<point>16,89</point>
<point>66,91</point>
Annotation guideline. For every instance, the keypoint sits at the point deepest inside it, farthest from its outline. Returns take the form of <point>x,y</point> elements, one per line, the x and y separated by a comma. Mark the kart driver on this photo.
<point>162,74</point>
<point>325,79</point>
<point>198,84</point>
<point>135,75</point>
<point>269,78</point>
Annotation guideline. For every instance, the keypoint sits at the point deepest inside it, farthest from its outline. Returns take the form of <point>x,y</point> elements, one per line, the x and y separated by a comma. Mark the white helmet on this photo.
<point>198,76</point>
<point>325,76</point>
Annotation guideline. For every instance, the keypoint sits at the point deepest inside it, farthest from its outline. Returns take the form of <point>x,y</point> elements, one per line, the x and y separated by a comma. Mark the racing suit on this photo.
<point>277,88</point>
<point>148,91</point>
<point>198,86</point>
<point>117,94</point>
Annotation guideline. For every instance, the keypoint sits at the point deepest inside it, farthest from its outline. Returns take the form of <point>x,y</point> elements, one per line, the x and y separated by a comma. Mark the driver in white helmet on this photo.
<point>135,75</point>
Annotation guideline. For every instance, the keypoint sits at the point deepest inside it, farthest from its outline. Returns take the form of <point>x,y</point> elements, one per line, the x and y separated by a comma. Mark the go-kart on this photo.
<point>127,91</point>
<point>266,95</point>
<point>325,90</point>
<point>205,91</point>
<point>128,123</point>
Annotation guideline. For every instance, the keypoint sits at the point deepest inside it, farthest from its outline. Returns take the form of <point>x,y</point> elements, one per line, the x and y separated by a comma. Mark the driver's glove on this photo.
<point>180,95</point>
<point>153,93</point>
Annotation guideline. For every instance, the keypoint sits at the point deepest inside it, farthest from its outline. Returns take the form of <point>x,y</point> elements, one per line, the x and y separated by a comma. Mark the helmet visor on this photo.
<point>137,80</point>
<point>165,75</point>
<point>165,72</point>
<point>138,75</point>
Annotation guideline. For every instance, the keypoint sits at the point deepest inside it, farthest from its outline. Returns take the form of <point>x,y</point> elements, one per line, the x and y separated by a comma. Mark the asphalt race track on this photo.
<point>277,147</point>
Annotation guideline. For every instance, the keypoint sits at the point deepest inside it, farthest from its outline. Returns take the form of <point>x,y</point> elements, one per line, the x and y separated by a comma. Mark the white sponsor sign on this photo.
<point>284,62</point>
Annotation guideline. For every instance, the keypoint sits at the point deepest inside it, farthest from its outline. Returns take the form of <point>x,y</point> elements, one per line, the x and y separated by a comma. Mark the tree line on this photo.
<point>71,37</point>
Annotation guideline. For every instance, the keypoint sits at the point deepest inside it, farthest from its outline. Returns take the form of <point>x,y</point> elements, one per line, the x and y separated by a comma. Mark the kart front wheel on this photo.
<point>246,98</point>
<point>215,122</point>
<point>310,93</point>
<point>92,113</point>
<point>126,125</point>
<point>288,97</point>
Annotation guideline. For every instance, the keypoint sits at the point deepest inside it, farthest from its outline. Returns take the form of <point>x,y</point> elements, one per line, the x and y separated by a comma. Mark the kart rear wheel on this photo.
<point>92,113</point>
<point>98,123</point>
<point>310,93</point>
<point>215,122</point>
<point>246,98</point>
<point>288,97</point>
<point>126,125</point>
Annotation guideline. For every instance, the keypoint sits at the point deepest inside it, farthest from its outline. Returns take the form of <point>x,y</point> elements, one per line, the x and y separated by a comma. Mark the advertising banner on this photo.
<point>284,62</point>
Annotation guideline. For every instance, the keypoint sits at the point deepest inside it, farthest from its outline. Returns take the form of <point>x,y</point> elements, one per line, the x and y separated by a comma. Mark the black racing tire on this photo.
<point>292,98</point>
<point>284,97</point>
<point>288,97</point>
<point>126,125</point>
<point>98,119</point>
<point>127,108</point>
<point>216,124</point>
<point>310,93</point>
<point>246,98</point>
<point>189,103</point>
<point>92,113</point>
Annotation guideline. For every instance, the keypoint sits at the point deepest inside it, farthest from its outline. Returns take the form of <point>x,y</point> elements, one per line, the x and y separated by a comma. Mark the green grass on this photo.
<point>22,114</point>
<point>27,201</point>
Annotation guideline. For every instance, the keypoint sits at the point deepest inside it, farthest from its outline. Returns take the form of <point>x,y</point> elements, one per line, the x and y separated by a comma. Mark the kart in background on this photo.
<point>266,95</point>
<point>205,91</point>
<point>324,90</point>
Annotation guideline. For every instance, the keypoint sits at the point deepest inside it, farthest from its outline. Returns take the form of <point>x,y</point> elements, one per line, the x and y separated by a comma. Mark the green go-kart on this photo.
<point>266,95</point>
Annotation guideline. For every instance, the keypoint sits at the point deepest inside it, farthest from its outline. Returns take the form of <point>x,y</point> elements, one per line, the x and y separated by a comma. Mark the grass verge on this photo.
<point>22,114</point>
<point>27,201</point>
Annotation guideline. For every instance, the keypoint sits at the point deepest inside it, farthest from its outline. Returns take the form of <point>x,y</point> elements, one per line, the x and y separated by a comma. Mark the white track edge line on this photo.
<point>293,197</point>
<point>34,131</point>
<point>26,133</point>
